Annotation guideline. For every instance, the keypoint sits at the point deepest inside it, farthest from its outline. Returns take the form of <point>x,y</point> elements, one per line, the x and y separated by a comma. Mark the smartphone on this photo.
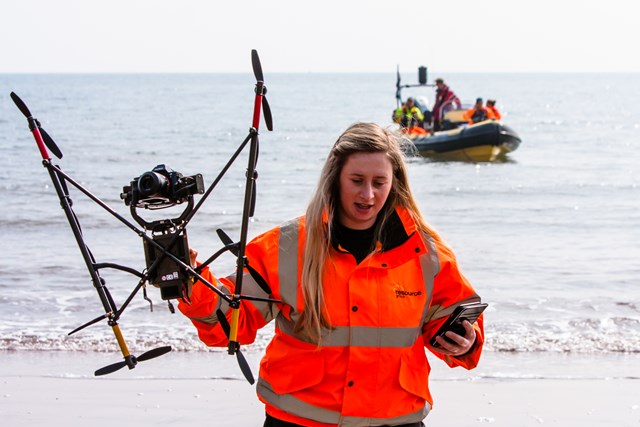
<point>469,312</point>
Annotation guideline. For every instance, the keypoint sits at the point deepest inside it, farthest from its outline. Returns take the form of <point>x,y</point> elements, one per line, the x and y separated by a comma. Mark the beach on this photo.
<point>57,388</point>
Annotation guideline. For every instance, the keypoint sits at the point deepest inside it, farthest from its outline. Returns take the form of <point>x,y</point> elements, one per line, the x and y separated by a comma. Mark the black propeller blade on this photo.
<point>267,112</point>
<point>109,369</point>
<point>153,353</point>
<point>257,72</point>
<point>242,362</point>
<point>254,273</point>
<point>133,360</point>
<point>224,323</point>
<point>33,122</point>
<point>244,366</point>
<point>48,141</point>
<point>257,68</point>
<point>227,241</point>
<point>21,105</point>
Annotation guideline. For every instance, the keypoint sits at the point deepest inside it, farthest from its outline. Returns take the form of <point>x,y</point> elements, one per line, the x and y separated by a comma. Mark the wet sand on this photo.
<point>58,388</point>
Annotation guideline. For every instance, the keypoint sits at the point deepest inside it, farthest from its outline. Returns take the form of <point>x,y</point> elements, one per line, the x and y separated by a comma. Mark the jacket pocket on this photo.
<point>293,372</point>
<point>414,375</point>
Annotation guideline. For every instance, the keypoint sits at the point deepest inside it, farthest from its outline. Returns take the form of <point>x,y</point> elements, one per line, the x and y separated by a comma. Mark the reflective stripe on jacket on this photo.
<point>370,368</point>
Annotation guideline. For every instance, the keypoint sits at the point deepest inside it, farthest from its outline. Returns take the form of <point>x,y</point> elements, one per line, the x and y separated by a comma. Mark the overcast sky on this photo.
<point>320,36</point>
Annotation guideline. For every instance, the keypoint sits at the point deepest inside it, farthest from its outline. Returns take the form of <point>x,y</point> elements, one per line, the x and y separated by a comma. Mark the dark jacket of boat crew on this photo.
<point>444,97</point>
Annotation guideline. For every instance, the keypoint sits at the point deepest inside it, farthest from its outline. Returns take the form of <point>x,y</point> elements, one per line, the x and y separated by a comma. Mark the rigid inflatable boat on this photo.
<point>486,141</point>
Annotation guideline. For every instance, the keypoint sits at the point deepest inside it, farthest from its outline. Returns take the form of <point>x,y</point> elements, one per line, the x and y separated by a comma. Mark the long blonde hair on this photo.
<point>323,208</point>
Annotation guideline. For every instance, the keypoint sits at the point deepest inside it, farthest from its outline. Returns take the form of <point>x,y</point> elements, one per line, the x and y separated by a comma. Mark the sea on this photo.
<point>550,237</point>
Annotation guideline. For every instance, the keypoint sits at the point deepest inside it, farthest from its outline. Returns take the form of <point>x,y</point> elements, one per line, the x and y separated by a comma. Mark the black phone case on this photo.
<point>470,312</point>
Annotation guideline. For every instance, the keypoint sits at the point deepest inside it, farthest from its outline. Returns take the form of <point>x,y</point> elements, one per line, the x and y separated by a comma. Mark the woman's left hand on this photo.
<point>459,345</point>
<point>193,254</point>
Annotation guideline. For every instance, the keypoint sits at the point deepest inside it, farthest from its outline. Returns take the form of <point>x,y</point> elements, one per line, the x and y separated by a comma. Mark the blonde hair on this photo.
<point>323,208</point>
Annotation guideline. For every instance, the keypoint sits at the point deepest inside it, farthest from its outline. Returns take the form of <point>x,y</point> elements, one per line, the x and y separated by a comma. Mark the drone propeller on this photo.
<point>21,105</point>
<point>256,276</point>
<point>35,124</point>
<point>257,67</point>
<point>261,89</point>
<point>227,241</point>
<point>132,361</point>
<point>49,142</point>
<point>244,365</point>
<point>267,111</point>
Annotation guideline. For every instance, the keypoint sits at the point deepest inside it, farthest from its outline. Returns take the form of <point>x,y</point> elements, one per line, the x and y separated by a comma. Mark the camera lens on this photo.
<point>152,184</point>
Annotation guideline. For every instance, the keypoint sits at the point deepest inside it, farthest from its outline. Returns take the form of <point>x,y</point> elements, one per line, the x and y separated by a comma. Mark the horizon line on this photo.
<point>312,72</point>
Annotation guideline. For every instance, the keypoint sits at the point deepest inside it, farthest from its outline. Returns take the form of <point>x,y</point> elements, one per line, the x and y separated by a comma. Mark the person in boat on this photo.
<point>491,106</point>
<point>408,115</point>
<point>478,113</point>
<point>363,283</point>
<point>445,100</point>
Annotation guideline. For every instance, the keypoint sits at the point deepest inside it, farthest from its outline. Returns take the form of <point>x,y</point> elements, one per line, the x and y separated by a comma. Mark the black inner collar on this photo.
<point>361,243</point>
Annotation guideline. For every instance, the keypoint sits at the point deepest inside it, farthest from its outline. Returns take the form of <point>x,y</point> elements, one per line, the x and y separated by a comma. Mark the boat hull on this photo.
<point>482,142</point>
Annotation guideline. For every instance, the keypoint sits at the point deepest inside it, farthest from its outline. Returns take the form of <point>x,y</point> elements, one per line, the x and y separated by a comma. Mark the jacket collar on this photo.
<point>398,229</point>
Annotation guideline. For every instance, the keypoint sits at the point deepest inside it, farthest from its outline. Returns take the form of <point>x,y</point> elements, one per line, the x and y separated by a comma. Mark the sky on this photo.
<point>158,36</point>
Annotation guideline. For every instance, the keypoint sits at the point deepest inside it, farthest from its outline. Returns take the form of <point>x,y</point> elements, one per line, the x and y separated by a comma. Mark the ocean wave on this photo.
<point>105,344</point>
<point>30,222</point>
<point>583,344</point>
<point>141,337</point>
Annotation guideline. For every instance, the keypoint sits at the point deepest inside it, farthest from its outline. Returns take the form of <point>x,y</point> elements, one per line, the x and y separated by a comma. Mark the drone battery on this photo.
<point>169,276</point>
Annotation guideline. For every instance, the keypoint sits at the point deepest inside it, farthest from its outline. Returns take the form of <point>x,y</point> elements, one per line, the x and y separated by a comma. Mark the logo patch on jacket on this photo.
<point>401,293</point>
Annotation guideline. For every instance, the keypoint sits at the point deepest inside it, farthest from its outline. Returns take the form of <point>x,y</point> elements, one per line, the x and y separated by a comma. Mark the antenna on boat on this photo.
<point>422,81</point>
<point>398,89</point>
<point>422,75</point>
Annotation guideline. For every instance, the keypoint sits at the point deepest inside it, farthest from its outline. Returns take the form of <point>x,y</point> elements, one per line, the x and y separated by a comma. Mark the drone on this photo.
<point>168,265</point>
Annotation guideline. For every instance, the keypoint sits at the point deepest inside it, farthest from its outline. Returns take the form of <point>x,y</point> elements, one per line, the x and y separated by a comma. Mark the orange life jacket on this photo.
<point>495,112</point>
<point>473,115</point>
<point>416,130</point>
<point>371,367</point>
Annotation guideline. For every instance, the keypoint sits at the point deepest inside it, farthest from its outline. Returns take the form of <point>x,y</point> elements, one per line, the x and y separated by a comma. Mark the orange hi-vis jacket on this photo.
<point>472,115</point>
<point>370,368</point>
<point>495,112</point>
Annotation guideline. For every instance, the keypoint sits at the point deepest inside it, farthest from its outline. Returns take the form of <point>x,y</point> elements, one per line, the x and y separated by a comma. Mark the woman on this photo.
<point>364,283</point>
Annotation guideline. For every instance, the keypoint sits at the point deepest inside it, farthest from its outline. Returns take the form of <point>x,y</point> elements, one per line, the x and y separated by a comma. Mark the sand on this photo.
<point>58,388</point>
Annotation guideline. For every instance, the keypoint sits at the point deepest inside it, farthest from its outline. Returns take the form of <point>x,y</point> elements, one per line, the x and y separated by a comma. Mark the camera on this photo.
<point>162,187</point>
